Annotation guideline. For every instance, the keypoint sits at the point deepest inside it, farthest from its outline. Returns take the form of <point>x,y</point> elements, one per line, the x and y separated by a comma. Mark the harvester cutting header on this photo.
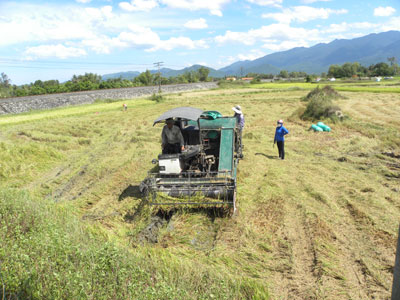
<point>198,164</point>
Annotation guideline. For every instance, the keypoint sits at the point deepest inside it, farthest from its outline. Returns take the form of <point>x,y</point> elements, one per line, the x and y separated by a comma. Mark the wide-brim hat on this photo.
<point>237,109</point>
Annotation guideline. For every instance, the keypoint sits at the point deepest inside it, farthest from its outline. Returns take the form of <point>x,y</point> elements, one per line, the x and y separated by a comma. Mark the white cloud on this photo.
<point>251,55</point>
<point>232,36</point>
<point>335,28</point>
<point>392,24</point>
<point>89,29</point>
<point>264,34</point>
<point>83,1</point>
<point>201,63</point>
<point>58,51</point>
<point>363,25</point>
<point>303,14</point>
<point>31,23</point>
<point>285,45</point>
<point>348,27</point>
<point>141,38</point>
<point>98,14</point>
<point>276,3</point>
<point>313,1</point>
<point>214,6</point>
<point>104,44</point>
<point>179,42</point>
<point>351,30</point>
<point>384,11</point>
<point>138,5</point>
<point>225,61</point>
<point>280,17</point>
<point>196,24</point>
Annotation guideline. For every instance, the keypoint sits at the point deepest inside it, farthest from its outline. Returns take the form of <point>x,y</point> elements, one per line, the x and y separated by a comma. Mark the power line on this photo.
<point>73,65</point>
<point>13,60</point>
<point>46,67</point>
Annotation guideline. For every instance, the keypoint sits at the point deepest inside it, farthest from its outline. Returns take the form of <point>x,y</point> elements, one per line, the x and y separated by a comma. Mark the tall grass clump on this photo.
<point>320,105</point>
<point>327,92</point>
<point>156,97</point>
<point>46,252</point>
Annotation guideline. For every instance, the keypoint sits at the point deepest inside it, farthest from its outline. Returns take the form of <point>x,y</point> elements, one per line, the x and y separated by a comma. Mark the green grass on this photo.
<point>322,224</point>
<point>379,89</point>
<point>71,111</point>
<point>48,253</point>
<point>370,87</point>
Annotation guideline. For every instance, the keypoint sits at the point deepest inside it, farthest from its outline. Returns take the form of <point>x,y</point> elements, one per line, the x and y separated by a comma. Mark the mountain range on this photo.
<point>367,50</point>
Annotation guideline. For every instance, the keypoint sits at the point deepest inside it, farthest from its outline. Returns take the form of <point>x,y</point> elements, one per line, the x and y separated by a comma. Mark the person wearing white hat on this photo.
<point>239,116</point>
<point>240,125</point>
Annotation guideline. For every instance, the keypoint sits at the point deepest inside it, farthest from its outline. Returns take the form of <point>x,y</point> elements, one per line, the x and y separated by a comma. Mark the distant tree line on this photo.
<point>282,74</point>
<point>348,70</point>
<point>91,81</point>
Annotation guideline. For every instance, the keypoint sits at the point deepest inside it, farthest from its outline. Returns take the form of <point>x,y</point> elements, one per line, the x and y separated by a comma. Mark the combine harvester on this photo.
<point>204,174</point>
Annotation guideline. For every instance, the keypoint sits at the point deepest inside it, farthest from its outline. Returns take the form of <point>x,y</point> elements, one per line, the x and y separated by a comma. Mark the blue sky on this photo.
<point>56,39</point>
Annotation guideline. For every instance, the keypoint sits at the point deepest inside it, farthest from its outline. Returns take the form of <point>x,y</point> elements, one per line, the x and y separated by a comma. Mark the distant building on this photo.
<point>332,79</point>
<point>231,78</point>
<point>247,78</point>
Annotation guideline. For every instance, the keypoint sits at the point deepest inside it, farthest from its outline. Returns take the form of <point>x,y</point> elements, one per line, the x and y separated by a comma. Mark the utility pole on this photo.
<point>158,65</point>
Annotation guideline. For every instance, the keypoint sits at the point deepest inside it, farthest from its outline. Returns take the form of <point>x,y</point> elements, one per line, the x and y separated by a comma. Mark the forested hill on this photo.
<point>367,50</point>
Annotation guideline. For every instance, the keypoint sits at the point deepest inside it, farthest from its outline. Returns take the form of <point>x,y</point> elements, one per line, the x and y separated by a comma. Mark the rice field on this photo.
<point>322,224</point>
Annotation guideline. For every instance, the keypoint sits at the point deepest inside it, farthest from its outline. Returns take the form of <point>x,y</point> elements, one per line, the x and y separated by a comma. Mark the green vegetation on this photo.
<point>46,253</point>
<point>156,97</point>
<point>390,86</point>
<point>4,85</point>
<point>320,104</point>
<point>325,92</point>
<point>232,84</point>
<point>320,225</point>
<point>91,81</point>
<point>349,70</point>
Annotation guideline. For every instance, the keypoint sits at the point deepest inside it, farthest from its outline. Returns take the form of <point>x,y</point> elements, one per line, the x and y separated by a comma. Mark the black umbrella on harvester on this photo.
<point>185,112</point>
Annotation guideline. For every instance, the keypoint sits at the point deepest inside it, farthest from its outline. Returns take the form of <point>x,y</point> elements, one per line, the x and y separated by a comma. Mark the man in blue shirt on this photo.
<point>280,132</point>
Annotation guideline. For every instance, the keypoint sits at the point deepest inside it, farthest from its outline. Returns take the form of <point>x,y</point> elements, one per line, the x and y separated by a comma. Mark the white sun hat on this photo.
<point>237,109</point>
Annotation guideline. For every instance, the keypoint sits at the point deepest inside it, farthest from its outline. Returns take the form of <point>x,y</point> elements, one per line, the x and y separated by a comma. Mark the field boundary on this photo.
<point>40,102</point>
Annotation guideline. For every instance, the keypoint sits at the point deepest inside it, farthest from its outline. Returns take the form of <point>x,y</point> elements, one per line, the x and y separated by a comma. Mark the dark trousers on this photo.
<point>238,142</point>
<point>281,149</point>
<point>171,149</point>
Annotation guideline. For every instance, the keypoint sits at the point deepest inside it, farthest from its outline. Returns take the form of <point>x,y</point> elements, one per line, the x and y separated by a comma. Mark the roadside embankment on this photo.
<point>25,104</point>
